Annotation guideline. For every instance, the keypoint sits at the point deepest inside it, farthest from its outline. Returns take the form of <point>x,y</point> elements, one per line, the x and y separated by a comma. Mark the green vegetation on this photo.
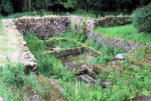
<point>14,81</point>
<point>142,18</point>
<point>127,85</point>
<point>124,80</point>
<point>11,6</point>
<point>47,65</point>
<point>108,54</point>
<point>127,32</point>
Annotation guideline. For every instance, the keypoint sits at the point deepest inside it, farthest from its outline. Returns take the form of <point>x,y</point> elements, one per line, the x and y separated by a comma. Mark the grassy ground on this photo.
<point>127,32</point>
<point>133,82</point>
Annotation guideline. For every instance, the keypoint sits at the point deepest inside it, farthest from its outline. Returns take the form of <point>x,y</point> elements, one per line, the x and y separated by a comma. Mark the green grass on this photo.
<point>124,88</point>
<point>1,24</point>
<point>136,81</point>
<point>14,81</point>
<point>127,32</point>
<point>48,65</point>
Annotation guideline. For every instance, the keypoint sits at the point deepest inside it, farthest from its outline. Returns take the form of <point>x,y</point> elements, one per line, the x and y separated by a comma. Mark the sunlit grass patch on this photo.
<point>127,32</point>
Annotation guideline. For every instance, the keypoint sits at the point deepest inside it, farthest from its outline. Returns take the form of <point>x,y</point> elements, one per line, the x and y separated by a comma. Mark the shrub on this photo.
<point>141,19</point>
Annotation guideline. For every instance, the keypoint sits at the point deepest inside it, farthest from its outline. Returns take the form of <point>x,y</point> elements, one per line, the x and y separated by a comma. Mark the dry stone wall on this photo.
<point>86,26</point>
<point>56,25</point>
<point>43,27</point>
<point>112,21</point>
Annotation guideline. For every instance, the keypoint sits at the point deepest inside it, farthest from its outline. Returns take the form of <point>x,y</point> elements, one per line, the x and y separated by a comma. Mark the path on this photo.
<point>13,48</point>
<point>10,50</point>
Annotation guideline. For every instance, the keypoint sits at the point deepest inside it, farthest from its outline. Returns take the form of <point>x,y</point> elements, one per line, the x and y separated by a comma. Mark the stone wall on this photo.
<point>112,21</point>
<point>68,52</point>
<point>83,25</point>
<point>56,25</point>
<point>43,27</point>
<point>86,26</point>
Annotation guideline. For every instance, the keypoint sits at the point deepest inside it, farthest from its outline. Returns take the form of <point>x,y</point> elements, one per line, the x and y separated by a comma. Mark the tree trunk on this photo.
<point>25,5</point>
<point>86,6</point>
<point>29,4</point>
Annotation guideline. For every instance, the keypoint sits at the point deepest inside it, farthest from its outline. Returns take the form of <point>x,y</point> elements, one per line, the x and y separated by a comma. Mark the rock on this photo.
<point>120,56</point>
<point>113,62</point>
<point>87,79</point>
<point>57,48</point>
<point>142,98</point>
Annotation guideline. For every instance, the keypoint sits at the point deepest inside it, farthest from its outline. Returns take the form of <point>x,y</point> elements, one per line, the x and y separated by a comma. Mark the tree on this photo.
<point>80,4</point>
<point>6,7</point>
<point>141,19</point>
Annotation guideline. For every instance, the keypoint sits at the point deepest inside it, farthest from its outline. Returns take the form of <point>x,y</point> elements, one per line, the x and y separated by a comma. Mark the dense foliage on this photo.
<point>142,19</point>
<point>12,6</point>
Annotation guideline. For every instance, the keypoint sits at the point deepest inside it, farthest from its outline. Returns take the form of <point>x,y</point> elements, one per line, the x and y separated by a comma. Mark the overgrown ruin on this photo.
<point>47,27</point>
<point>79,57</point>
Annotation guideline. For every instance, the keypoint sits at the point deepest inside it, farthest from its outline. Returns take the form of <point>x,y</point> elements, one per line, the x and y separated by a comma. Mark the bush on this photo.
<point>141,19</point>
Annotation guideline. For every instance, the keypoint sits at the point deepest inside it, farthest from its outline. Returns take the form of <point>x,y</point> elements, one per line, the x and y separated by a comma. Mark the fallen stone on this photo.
<point>142,98</point>
<point>87,79</point>
<point>57,48</point>
<point>120,56</point>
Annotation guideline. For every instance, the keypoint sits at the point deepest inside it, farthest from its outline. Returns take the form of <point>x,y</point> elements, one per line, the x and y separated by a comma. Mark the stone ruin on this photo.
<point>52,26</point>
<point>46,27</point>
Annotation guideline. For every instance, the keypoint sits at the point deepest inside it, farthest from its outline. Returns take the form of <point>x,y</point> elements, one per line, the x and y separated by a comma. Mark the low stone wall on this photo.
<point>43,27</point>
<point>112,21</point>
<point>68,52</point>
<point>56,25</point>
<point>116,42</point>
<point>86,26</point>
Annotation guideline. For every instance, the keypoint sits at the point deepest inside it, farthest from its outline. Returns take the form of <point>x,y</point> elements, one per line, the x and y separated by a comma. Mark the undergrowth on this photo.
<point>14,82</point>
<point>125,86</point>
<point>108,54</point>
<point>48,65</point>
